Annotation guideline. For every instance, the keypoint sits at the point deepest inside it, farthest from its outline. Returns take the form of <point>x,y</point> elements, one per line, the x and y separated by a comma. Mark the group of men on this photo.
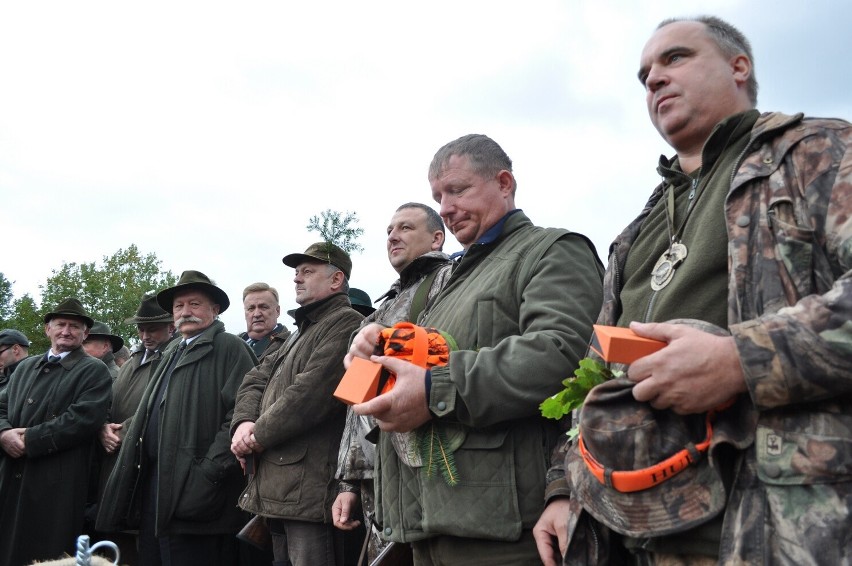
<point>728,445</point>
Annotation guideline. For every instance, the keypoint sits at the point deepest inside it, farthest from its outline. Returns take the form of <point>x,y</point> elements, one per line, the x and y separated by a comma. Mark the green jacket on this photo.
<point>127,390</point>
<point>297,419</point>
<point>521,310</point>
<point>109,362</point>
<point>199,479</point>
<point>42,494</point>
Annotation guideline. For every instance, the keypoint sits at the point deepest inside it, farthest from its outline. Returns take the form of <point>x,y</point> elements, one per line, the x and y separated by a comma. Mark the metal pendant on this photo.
<point>665,267</point>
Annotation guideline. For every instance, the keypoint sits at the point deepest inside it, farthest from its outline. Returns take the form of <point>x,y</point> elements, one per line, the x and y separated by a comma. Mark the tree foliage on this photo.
<point>5,300</point>
<point>27,318</point>
<point>110,291</point>
<point>341,229</point>
<point>22,314</point>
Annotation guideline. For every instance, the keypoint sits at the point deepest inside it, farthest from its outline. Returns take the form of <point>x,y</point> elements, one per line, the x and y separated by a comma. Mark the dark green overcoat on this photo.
<point>43,493</point>
<point>199,478</point>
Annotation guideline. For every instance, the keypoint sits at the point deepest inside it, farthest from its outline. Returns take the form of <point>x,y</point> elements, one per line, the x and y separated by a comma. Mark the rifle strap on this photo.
<point>418,303</point>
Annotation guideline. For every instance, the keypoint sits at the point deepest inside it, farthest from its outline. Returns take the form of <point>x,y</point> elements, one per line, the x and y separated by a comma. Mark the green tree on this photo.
<point>338,228</point>
<point>27,318</point>
<point>110,291</point>
<point>5,300</point>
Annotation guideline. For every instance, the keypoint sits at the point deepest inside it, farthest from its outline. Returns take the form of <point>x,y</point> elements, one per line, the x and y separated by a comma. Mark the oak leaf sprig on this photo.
<point>591,372</point>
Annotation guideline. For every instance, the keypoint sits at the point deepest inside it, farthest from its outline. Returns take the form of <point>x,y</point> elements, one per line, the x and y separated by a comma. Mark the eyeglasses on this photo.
<point>7,348</point>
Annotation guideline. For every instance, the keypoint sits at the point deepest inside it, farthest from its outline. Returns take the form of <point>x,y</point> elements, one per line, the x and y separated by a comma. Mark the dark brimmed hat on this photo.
<point>10,336</point>
<point>150,311</point>
<point>324,252</point>
<point>70,308</point>
<point>361,301</point>
<point>640,471</point>
<point>194,280</point>
<point>102,330</point>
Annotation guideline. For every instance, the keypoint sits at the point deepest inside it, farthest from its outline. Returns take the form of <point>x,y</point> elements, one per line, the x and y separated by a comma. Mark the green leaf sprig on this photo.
<point>591,372</point>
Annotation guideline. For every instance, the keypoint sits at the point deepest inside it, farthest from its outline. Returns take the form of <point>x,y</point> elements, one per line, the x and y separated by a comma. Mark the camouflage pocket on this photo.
<point>793,245</point>
<point>795,458</point>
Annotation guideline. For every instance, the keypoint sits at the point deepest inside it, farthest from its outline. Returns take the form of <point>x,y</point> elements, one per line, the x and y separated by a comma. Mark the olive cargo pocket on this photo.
<point>484,503</point>
<point>282,478</point>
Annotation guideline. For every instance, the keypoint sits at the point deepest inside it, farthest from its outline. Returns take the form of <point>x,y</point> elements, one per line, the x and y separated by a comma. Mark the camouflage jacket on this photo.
<point>356,456</point>
<point>789,218</point>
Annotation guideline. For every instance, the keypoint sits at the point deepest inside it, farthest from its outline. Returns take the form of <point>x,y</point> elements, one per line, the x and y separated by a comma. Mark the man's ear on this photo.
<point>337,281</point>
<point>507,181</point>
<point>438,240</point>
<point>741,68</point>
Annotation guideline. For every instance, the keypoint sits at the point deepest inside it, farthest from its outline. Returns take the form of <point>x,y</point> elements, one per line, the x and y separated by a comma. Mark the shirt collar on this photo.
<point>490,235</point>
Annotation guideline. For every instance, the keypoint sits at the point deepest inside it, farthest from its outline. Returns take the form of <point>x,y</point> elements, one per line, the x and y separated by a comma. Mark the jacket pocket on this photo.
<point>281,474</point>
<point>484,503</point>
<point>802,458</point>
<point>202,497</point>
<point>793,245</point>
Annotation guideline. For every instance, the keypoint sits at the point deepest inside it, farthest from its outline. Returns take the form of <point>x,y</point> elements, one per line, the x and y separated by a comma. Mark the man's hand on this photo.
<point>242,442</point>
<point>108,435</point>
<point>343,509</point>
<point>13,442</point>
<point>695,373</point>
<point>403,408</point>
<point>364,343</point>
<point>551,532</point>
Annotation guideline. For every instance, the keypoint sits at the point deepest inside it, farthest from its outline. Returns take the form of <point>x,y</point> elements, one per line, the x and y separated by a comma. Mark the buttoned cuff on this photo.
<point>441,394</point>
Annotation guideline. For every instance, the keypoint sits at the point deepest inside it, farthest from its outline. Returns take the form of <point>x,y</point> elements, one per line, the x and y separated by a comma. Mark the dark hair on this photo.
<point>731,42</point>
<point>484,154</point>
<point>433,219</point>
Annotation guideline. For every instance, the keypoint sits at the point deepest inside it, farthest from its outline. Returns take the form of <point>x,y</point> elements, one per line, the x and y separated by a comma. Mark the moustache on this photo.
<point>184,319</point>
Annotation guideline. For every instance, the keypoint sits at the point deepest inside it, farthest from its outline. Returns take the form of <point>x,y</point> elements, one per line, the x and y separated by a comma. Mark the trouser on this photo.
<point>179,550</point>
<point>665,559</point>
<point>450,551</point>
<point>306,543</point>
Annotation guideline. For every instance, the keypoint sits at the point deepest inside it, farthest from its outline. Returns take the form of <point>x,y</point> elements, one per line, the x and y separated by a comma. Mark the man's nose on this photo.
<point>655,79</point>
<point>446,207</point>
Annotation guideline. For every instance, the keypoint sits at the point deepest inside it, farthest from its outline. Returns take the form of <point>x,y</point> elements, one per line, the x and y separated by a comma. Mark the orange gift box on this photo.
<point>360,383</point>
<point>622,345</point>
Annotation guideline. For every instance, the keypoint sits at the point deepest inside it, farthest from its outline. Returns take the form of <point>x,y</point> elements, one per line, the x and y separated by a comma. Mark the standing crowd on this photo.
<point>732,444</point>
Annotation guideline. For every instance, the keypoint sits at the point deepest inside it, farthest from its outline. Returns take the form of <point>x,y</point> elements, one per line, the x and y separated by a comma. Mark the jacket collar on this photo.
<point>494,233</point>
<point>206,337</point>
<point>415,271</point>
<point>68,361</point>
<point>309,314</point>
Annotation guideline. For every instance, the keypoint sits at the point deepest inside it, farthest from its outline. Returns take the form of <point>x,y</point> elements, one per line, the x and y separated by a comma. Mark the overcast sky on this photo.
<point>210,132</point>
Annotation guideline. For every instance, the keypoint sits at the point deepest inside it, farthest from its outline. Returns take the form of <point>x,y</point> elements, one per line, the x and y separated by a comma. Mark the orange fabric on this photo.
<point>424,347</point>
<point>405,341</point>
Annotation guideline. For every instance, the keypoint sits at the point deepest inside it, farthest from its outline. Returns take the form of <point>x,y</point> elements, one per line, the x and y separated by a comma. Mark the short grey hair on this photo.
<point>731,42</point>
<point>260,287</point>
<point>484,154</point>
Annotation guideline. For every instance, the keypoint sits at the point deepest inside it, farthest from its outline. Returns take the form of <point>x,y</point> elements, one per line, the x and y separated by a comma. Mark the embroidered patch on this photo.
<point>773,445</point>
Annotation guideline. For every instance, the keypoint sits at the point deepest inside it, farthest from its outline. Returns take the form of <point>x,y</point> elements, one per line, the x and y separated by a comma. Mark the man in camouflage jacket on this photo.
<point>788,215</point>
<point>415,239</point>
